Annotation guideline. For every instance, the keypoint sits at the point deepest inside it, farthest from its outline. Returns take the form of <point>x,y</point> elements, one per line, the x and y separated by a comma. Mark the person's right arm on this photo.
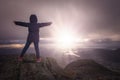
<point>21,23</point>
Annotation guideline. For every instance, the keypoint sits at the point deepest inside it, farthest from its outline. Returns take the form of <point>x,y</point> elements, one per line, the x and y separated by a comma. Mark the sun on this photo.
<point>65,39</point>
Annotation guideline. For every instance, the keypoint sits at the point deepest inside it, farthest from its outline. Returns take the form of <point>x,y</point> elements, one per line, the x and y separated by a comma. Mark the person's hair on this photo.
<point>33,18</point>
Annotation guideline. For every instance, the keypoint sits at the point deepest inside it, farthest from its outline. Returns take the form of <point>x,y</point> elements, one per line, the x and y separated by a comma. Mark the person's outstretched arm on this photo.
<point>44,24</point>
<point>21,23</point>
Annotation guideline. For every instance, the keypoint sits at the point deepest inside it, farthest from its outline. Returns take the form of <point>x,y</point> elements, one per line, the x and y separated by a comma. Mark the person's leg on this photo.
<point>36,45</point>
<point>25,48</point>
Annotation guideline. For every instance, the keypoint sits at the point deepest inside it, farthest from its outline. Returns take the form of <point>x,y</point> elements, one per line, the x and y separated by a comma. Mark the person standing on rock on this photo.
<point>33,35</point>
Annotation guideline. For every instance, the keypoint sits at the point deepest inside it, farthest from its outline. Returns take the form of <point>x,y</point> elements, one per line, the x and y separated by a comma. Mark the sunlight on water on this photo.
<point>68,50</point>
<point>12,46</point>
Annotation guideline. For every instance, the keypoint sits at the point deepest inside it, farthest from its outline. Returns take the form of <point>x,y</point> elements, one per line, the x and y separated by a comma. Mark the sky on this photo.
<point>91,19</point>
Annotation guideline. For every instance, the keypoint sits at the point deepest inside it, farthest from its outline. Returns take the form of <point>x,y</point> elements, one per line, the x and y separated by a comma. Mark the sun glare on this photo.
<point>68,40</point>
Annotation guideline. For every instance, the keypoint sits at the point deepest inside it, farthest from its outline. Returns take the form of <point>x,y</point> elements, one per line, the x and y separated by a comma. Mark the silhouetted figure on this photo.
<point>33,35</point>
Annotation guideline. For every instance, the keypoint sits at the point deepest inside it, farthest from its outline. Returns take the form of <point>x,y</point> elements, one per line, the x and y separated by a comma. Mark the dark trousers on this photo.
<point>36,45</point>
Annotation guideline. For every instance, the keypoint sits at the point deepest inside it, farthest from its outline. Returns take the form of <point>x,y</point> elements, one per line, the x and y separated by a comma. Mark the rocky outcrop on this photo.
<point>48,69</point>
<point>88,69</point>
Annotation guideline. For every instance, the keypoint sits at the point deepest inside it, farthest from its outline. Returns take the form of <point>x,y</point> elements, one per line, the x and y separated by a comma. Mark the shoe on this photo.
<point>20,59</point>
<point>38,60</point>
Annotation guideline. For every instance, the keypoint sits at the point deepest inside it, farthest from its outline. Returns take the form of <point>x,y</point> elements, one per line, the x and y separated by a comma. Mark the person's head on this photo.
<point>33,18</point>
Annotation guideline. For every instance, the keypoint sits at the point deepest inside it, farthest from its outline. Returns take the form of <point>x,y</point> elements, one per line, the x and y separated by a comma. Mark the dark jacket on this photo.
<point>33,28</point>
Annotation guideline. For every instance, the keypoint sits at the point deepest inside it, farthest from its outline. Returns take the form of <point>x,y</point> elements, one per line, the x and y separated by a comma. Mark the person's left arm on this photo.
<point>44,24</point>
